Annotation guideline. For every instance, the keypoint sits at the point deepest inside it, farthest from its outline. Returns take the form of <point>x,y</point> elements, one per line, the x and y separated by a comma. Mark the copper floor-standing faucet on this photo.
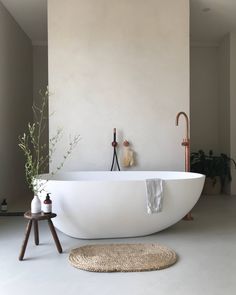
<point>186,144</point>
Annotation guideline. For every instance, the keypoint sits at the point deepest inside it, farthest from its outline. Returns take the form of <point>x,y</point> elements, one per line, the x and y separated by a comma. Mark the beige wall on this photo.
<point>120,64</point>
<point>15,107</point>
<point>213,73</point>
<point>40,80</point>
<point>224,95</point>
<point>233,106</point>
<point>224,98</point>
<point>204,93</point>
<point>227,102</point>
<point>40,69</point>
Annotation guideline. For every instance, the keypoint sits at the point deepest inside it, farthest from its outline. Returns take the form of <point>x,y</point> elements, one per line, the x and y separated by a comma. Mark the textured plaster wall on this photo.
<point>122,64</point>
<point>204,102</point>
<point>16,96</point>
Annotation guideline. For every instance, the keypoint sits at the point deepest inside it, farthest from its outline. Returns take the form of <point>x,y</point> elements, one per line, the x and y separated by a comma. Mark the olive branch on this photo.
<point>38,155</point>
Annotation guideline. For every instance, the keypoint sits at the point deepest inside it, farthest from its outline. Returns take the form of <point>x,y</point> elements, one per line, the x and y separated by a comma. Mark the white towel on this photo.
<point>154,188</point>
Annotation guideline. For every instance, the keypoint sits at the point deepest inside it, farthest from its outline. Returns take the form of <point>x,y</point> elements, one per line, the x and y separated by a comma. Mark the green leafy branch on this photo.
<point>38,155</point>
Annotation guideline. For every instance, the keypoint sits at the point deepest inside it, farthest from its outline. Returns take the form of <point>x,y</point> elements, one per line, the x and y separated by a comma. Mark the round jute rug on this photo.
<point>122,257</point>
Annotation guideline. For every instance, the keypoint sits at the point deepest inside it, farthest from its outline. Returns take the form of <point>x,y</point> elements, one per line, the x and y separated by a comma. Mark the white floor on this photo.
<point>206,265</point>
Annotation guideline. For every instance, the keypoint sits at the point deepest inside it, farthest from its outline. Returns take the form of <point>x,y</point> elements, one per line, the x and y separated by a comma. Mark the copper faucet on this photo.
<point>186,144</point>
<point>186,140</point>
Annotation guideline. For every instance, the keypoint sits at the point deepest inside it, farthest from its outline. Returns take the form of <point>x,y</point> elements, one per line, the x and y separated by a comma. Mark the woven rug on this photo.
<point>122,257</point>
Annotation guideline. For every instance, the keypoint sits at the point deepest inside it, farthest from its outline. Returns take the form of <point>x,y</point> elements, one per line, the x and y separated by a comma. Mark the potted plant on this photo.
<point>38,155</point>
<point>216,168</point>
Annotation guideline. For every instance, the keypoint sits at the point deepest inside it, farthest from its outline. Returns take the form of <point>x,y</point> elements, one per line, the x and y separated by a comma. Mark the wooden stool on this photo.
<point>34,218</point>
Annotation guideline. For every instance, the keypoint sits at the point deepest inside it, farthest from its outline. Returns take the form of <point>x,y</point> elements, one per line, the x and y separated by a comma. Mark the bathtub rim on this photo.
<point>58,177</point>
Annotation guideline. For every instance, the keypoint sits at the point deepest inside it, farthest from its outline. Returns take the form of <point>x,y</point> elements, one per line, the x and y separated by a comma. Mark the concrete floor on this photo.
<point>206,249</point>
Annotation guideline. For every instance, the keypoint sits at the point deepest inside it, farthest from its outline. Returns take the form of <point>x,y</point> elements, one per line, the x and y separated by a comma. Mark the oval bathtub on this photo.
<point>91,205</point>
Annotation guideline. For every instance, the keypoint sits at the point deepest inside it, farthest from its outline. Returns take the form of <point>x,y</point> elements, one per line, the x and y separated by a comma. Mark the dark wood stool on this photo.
<point>34,218</point>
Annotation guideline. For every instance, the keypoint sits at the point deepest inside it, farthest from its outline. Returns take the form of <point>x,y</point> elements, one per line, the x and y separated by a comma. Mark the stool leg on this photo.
<point>36,232</point>
<point>27,233</point>
<point>54,234</point>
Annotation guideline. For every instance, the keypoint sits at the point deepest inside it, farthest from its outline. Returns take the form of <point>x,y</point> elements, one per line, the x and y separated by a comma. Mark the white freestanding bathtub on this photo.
<point>91,205</point>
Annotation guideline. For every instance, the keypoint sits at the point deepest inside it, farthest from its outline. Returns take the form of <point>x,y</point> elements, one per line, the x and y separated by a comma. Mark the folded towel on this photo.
<point>154,188</point>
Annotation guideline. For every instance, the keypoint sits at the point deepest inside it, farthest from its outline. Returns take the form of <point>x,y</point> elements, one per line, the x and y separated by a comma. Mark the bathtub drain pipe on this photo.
<point>115,158</point>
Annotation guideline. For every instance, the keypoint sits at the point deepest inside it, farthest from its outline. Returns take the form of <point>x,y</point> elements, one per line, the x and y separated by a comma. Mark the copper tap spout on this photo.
<point>187,122</point>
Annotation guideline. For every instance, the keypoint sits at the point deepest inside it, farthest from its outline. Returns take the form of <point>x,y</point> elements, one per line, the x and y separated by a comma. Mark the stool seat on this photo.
<point>33,219</point>
<point>39,216</point>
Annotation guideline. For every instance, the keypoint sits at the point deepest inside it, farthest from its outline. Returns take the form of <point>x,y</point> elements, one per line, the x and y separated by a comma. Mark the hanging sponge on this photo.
<point>128,155</point>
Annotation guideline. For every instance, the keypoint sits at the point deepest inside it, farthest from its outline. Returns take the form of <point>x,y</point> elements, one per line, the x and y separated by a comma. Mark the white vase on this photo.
<point>35,205</point>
